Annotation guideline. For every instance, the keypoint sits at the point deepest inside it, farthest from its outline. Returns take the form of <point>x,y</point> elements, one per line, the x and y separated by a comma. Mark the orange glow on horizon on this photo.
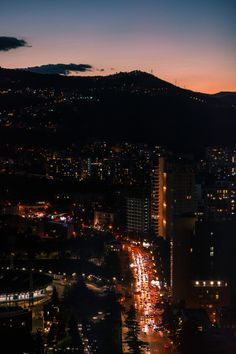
<point>194,72</point>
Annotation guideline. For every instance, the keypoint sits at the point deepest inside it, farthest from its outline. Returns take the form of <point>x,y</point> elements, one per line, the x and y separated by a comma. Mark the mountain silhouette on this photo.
<point>134,106</point>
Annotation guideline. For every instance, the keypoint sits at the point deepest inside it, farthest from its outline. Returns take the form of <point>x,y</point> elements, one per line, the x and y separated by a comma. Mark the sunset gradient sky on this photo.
<point>191,43</point>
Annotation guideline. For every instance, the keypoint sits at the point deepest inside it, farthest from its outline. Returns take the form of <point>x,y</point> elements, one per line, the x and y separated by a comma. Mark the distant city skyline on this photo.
<point>191,44</point>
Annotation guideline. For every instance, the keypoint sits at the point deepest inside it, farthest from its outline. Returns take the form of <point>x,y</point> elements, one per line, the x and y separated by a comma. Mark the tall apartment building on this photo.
<point>158,198</point>
<point>138,215</point>
<point>220,200</point>
<point>221,162</point>
<point>183,188</point>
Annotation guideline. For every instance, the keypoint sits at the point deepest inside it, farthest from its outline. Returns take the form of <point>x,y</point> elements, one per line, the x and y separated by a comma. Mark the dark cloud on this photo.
<point>100,69</point>
<point>8,43</point>
<point>61,69</point>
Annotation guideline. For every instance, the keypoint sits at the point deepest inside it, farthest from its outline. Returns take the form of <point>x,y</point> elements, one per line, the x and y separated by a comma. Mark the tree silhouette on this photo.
<point>54,299</point>
<point>74,334</point>
<point>132,337</point>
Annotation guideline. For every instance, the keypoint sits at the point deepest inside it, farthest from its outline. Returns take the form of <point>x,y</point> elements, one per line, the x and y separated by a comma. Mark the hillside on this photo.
<point>227,97</point>
<point>135,106</point>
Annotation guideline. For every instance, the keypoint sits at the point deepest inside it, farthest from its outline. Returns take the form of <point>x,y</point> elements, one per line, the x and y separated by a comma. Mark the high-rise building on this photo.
<point>138,215</point>
<point>181,207</point>
<point>183,188</point>
<point>213,263</point>
<point>173,192</point>
<point>220,199</point>
<point>159,198</point>
<point>221,162</point>
<point>180,260</point>
<point>203,263</point>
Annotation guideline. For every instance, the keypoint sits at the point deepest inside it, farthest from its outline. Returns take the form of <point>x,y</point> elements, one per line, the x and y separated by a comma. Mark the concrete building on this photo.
<point>138,215</point>
<point>220,200</point>
<point>159,198</point>
<point>203,264</point>
<point>183,188</point>
<point>104,219</point>
<point>173,193</point>
<point>221,162</point>
<point>180,259</point>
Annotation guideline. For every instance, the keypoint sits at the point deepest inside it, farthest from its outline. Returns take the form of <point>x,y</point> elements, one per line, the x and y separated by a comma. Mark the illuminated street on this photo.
<point>147,292</point>
<point>117,177</point>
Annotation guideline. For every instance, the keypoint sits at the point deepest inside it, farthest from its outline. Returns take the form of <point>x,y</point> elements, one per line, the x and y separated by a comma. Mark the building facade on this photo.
<point>138,215</point>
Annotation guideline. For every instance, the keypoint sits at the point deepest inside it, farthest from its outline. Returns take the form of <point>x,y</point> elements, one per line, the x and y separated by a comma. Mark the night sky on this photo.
<point>191,43</point>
